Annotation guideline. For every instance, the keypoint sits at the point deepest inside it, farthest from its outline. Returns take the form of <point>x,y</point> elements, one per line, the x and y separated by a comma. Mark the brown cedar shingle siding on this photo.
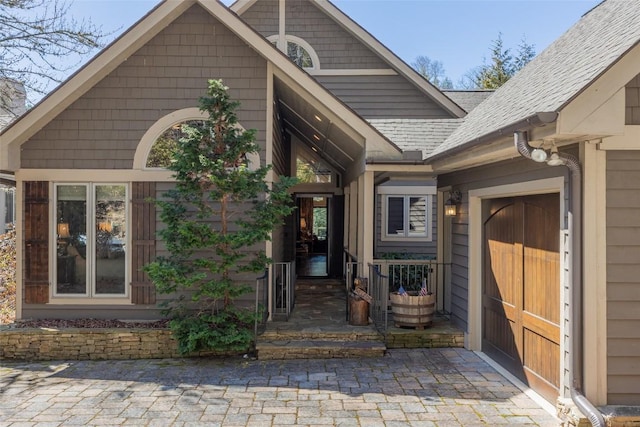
<point>102,129</point>
<point>36,242</point>
<point>623,276</point>
<point>383,97</point>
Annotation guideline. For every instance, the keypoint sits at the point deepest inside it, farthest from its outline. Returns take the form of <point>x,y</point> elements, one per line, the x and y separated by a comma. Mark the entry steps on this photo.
<point>275,345</point>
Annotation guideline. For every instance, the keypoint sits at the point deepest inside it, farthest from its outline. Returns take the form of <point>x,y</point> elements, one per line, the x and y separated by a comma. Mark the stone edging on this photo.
<point>90,344</point>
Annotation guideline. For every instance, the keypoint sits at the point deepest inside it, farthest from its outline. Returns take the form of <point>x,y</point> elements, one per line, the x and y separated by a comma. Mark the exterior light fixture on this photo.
<point>555,159</point>
<point>538,155</point>
<point>451,205</point>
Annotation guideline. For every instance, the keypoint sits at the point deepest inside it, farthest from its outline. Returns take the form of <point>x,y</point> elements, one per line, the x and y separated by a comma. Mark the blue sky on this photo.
<point>458,33</point>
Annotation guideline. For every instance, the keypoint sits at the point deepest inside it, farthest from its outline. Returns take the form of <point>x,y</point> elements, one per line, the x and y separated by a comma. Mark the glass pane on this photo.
<point>395,216</point>
<point>299,55</point>
<point>417,215</point>
<point>309,171</point>
<point>166,144</point>
<point>71,229</point>
<point>110,239</point>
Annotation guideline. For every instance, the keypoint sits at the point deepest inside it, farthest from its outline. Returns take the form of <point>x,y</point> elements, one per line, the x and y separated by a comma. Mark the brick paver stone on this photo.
<point>406,387</point>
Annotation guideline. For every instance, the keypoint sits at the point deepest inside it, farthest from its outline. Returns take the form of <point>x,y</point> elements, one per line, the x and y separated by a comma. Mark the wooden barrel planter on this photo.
<point>413,310</point>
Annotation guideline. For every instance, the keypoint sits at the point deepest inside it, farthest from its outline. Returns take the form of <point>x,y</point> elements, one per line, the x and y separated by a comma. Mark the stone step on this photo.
<point>319,285</point>
<point>348,334</point>
<point>318,349</point>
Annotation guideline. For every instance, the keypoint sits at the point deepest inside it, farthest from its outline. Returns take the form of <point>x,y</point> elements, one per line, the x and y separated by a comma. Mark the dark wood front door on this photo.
<point>521,289</point>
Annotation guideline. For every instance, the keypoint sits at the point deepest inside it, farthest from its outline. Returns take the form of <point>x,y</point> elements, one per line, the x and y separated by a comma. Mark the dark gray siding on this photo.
<point>502,173</point>
<point>632,110</point>
<point>336,48</point>
<point>262,16</point>
<point>376,97</point>
<point>623,277</point>
<point>281,167</point>
<point>102,129</point>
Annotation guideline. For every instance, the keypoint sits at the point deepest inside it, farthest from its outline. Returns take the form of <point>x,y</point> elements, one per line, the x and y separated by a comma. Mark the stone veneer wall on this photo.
<point>94,344</point>
<point>418,339</point>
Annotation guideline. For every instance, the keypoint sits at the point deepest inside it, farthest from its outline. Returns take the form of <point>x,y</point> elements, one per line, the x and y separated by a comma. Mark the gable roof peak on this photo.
<point>365,37</point>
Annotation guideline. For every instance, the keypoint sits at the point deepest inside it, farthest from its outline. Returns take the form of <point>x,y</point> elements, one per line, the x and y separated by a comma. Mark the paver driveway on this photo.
<point>426,387</point>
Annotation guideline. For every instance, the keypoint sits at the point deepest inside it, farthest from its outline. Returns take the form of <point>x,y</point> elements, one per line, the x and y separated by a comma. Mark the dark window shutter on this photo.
<point>143,239</point>
<point>36,242</point>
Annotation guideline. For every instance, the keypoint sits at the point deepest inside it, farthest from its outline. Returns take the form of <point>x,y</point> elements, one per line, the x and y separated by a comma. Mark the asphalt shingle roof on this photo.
<point>416,134</point>
<point>468,99</point>
<point>558,73</point>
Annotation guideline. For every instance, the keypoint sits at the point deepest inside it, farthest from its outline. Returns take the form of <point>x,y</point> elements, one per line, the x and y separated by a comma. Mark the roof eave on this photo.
<point>392,59</point>
<point>539,119</point>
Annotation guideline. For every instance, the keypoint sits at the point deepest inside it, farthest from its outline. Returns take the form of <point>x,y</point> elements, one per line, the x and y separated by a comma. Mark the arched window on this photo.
<point>160,141</point>
<point>166,144</point>
<point>299,51</point>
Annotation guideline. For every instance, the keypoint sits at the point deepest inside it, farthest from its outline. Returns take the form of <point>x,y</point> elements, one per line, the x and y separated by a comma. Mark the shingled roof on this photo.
<point>468,99</point>
<point>416,134</point>
<point>558,74</point>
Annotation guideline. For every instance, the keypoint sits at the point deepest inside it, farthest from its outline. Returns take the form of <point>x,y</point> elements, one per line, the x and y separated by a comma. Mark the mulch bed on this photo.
<point>89,323</point>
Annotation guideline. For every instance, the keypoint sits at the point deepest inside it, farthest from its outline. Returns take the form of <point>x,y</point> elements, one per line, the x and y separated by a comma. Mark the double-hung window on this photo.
<point>91,236</point>
<point>406,213</point>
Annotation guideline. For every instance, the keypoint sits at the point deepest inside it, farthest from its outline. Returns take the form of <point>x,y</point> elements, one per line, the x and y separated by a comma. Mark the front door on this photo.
<point>521,289</point>
<point>313,237</point>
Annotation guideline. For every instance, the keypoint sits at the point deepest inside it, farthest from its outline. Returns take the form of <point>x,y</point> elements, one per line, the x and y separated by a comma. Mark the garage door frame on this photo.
<point>476,196</point>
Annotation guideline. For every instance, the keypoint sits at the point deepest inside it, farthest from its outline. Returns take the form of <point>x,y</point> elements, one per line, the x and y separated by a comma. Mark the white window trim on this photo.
<point>427,236</point>
<point>159,127</point>
<point>315,59</point>
<point>89,296</point>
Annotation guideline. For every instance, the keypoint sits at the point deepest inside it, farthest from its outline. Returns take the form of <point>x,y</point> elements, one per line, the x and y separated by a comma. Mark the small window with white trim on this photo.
<point>299,51</point>
<point>406,213</point>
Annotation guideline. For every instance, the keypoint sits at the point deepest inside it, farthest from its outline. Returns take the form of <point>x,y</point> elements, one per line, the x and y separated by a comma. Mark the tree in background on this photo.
<point>37,38</point>
<point>503,65</point>
<point>219,212</point>
<point>432,71</point>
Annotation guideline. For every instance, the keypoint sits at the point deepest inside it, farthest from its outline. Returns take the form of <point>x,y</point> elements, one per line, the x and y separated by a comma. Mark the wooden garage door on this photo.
<point>521,289</point>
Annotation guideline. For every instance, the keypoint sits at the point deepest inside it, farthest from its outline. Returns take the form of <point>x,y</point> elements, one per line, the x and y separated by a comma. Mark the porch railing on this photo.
<point>283,289</point>
<point>379,291</point>
<point>262,298</point>
<point>387,276</point>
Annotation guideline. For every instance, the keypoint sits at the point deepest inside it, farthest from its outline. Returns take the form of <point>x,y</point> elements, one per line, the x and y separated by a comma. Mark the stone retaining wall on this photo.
<point>420,339</point>
<point>95,344</point>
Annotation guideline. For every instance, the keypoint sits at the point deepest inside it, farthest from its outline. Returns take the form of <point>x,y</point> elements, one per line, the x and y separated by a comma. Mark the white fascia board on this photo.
<point>402,67</point>
<point>85,78</point>
<point>241,6</point>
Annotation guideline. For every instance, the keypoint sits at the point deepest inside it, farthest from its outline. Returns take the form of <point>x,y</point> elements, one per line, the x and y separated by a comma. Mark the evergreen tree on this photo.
<point>503,65</point>
<point>220,210</point>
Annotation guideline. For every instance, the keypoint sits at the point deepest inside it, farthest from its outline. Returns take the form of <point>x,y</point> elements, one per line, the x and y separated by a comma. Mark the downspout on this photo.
<point>575,338</point>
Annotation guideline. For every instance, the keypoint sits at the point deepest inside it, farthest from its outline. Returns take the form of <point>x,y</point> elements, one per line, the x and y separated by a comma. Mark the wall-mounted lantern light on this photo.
<point>451,205</point>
